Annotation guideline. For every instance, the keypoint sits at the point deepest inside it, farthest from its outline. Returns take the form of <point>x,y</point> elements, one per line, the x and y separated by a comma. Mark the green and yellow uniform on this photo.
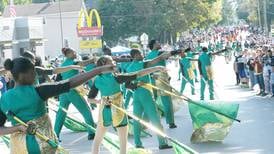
<point>206,73</point>
<point>188,74</point>
<point>143,102</point>
<point>126,92</point>
<point>110,89</point>
<point>89,68</point>
<point>72,97</point>
<point>28,103</point>
<point>163,77</point>
<point>193,64</point>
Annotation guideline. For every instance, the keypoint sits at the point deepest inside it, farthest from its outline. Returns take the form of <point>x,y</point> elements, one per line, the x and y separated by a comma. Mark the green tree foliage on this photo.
<point>161,19</point>
<point>229,14</point>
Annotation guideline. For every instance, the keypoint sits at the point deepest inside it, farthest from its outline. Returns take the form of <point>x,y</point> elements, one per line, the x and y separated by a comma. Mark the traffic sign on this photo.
<point>144,39</point>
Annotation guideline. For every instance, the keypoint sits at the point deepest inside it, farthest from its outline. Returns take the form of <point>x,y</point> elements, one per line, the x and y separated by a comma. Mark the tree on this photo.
<point>161,19</point>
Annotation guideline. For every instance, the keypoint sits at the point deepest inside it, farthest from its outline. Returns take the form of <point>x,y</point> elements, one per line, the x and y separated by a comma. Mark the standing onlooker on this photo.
<point>267,70</point>
<point>251,64</point>
<point>258,67</point>
<point>235,67</point>
<point>272,73</point>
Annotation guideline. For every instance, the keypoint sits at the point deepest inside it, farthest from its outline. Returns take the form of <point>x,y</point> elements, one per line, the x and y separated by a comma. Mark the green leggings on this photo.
<point>168,109</point>
<point>211,89</point>
<point>128,96</point>
<point>183,85</point>
<point>72,97</point>
<point>143,102</point>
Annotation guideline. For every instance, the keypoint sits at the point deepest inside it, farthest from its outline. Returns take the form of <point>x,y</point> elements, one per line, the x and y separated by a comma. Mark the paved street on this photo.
<point>253,135</point>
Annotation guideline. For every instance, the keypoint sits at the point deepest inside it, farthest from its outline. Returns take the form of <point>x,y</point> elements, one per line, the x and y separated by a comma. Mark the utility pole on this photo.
<point>265,18</point>
<point>61,24</point>
<point>259,14</point>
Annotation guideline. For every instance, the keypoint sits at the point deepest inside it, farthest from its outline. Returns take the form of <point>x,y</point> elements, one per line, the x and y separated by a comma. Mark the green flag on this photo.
<point>74,126</point>
<point>179,148</point>
<point>209,125</point>
<point>6,140</point>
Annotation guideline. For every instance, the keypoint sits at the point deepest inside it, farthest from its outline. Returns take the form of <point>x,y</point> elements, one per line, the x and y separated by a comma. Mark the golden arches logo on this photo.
<point>89,17</point>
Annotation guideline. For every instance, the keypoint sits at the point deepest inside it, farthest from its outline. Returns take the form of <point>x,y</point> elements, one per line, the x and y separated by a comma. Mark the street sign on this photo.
<point>144,39</point>
<point>89,31</point>
<point>90,44</point>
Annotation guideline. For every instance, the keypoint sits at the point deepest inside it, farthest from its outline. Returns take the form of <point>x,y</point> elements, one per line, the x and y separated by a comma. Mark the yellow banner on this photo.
<point>90,44</point>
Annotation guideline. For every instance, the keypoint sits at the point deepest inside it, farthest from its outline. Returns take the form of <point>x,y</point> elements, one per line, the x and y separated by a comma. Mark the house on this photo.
<point>52,20</point>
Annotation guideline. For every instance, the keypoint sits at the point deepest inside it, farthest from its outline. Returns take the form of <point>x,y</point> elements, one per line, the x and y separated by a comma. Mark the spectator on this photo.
<point>250,64</point>
<point>258,68</point>
<point>267,70</point>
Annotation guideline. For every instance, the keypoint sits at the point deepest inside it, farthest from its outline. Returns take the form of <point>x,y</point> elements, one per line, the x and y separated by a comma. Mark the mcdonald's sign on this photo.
<point>89,29</point>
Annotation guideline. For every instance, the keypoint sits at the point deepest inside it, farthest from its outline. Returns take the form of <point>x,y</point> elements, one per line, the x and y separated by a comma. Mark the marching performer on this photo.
<point>143,100</point>
<point>206,73</point>
<point>27,102</point>
<point>109,86</point>
<point>187,72</point>
<point>73,96</point>
<point>166,99</point>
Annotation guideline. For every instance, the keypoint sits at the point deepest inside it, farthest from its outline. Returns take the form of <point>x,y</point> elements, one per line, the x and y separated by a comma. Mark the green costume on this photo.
<point>193,65</point>
<point>126,92</point>
<point>143,102</point>
<point>198,48</point>
<point>72,97</point>
<point>210,47</point>
<point>28,103</point>
<point>89,68</point>
<point>205,69</point>
<point>166,99</point>
<point>188,75</point>
<point>110,90</point>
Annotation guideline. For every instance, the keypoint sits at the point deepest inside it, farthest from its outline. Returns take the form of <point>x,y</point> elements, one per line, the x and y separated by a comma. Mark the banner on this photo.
<point>90,44</point>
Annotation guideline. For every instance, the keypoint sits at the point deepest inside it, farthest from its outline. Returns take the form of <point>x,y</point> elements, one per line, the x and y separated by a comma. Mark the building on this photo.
<point>20,34</point>
<point>50,15</point>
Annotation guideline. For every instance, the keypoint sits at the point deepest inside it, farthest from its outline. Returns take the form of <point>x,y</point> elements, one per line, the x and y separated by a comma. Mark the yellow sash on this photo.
<point>117,115</point>
<point>18,143</point>
<point>209,71</point>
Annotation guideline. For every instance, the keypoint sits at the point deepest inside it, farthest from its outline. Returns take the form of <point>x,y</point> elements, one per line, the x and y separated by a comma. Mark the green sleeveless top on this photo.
<point>153,54</point>
<point>137,66</point>
<point>71,73</point>
<point>185,65</point>
<point>107,84</point>
<point>205,60</point>
<point>24,102</point>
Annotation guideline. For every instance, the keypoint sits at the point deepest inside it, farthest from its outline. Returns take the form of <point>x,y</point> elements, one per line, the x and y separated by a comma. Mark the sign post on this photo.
<point>89,32</point>
<point>144,42</point>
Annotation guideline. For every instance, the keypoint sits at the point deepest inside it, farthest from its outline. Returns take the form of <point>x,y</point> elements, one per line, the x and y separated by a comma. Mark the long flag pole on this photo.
<point>191,101</point>
<point>85,124</point>
<point>155,129</point>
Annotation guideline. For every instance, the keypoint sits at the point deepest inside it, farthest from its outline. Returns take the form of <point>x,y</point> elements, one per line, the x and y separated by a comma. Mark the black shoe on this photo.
<point>59,140</point>
<point>91,136</point>
<point>263,94</point>
<point>162,147</point>
<point>171,126</point>
<point>139,147</point>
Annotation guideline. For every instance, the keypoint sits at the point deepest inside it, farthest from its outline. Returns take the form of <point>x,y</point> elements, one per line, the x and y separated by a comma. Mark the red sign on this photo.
<point>89,31</point>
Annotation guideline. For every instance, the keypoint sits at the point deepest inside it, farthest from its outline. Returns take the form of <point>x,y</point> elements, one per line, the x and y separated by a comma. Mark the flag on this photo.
<point>6,140</point>
<point>12,9</point>
<point>211,126</point>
